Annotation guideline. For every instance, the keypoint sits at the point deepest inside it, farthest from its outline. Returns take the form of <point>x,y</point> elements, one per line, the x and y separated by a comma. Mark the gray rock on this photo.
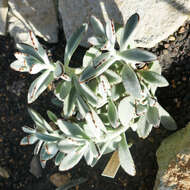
<point>173,157</point>
<point>158,18</point>
<point>3,16</point>
<point>38,16</point>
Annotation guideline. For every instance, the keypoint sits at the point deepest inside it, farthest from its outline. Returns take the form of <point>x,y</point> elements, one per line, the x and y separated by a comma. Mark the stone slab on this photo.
<point>3,16</point>
<point>40,16</point>
<point>158,18</point>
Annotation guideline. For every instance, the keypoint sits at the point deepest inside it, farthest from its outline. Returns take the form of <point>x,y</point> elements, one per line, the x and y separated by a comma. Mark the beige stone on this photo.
<point>39,16</point>
<point>59,179</point>
<point>3,16</point>
<point>158,18</point>
<point>173,157</point>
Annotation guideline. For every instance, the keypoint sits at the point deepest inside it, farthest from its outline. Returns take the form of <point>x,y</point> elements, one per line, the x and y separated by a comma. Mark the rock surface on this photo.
<point>3,16</point>
<point>158,19</point>
<point>40,16</point>
<point>59,179</point>
<point>173,158</point>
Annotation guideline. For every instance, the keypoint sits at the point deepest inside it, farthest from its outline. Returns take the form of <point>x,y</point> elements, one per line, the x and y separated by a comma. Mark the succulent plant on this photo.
<point>113,92</point>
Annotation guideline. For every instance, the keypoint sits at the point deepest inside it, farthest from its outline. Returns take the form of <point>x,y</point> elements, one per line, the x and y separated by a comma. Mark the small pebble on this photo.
<point>173,84</point>
<point>171,38</point>
<point>181,30</point>
<point>4,173</point>
<point>165,52</point>
<point>166,46</point>
<point>184,78</point>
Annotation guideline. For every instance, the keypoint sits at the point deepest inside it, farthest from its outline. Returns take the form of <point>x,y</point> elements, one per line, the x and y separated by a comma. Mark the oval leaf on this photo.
<point>73,42</point>
<point>71,159</point>
<point>69,103</point>
<point>39,85</point>
<point>112,114</point>
<point>30,139</point>
<point>153,116</point>
<point>125,157</point>
<point>39,120</point>
<point>154,78</point>
<point>128,30</point>
<point>59,157</point>
<point>97,26</point>
<point>166,120</point>
<point>52,116</point>
<point>144,127</point>
<point>70,129</point>
<point>131,82</point>
<point>126,110</point>
<point>110,32</point>
<point>137,55</point>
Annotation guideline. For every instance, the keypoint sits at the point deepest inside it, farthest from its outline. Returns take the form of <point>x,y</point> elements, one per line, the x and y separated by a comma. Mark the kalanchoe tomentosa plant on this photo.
<point>113,92</point>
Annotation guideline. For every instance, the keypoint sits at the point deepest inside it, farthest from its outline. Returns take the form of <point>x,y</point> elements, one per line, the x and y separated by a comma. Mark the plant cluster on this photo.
<point>113,92</point>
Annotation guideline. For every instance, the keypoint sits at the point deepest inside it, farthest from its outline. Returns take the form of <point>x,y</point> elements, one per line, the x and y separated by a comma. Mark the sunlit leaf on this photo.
<point>131,82</point>
<point>48,151</point>
<point>62,89</point>
<point>144,127</point>
<point>30,139</point>
<point>39,85</point>
<point>154,78</point>
<point>86,92</point>
<point>137,55</point>
<point>90,55</point>
<point>97,26</point>
<point>39,120</point>
<point>29,130</point>
<point>69,103</point>
<point>112,77</point>
<point>52,116</point>
<point>101,59</point>
<point>71,159</point>
<point>126,110</point>
<point>153,116</point>
<point>58,69</point>
<point>125,157</point>
<point>70,129</point>
<point>59,157</point>
<point>68,145</point>
<point>112,114</point>
<point>27,49</point>
<point>73,42</point>
<point>82,106</point>
<point>47,137</point>
<point>91,72</point>
<point>110,32</point>
<point>128,30</point>
<point>96,41</point>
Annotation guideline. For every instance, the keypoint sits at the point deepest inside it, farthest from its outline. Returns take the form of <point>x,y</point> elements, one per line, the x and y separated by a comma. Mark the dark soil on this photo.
<point>174,57</point>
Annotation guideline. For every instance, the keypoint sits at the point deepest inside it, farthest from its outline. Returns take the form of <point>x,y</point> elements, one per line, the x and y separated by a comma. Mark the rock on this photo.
<point>39,16</point>
<point>35,167</point>
<point>4,173</point>
<point>3,16</point>
<point>59,179</point>
<point>154,25</point>
<point>173,158</point>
